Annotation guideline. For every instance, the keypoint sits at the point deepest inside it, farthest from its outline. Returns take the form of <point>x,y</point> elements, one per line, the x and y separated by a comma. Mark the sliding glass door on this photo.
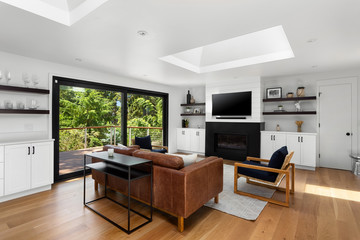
<point>87,116</point>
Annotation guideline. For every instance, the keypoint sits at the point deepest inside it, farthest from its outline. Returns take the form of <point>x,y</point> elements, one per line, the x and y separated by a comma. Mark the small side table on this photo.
<point>120,166</point>
<point>356,165</point>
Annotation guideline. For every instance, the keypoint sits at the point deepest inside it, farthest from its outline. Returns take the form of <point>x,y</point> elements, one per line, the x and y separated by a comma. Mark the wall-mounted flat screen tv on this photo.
<point>231,104</point>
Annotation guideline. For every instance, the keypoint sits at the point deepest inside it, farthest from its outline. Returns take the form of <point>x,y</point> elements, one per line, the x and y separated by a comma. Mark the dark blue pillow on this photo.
<point>143,142</point>
<point>259,174</point>
<point>163,150</point>
<point>278,157</point>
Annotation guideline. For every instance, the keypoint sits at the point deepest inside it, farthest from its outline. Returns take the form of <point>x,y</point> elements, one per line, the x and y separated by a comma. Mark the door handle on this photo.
<point>347,134</point>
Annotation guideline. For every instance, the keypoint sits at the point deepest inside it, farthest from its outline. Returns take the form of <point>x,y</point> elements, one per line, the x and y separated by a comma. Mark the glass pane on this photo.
<point>145,115</point>
<point>88,119</point>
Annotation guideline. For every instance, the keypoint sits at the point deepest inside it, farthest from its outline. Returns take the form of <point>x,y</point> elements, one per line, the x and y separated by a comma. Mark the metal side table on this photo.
<point>120,166</point>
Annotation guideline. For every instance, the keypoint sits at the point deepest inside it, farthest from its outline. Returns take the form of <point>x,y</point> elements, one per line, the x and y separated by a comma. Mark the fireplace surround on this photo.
<point>233,141</point>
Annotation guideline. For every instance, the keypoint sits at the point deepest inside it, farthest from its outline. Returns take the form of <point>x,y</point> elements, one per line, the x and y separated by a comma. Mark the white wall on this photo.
<point>236,85</point>
<point>309,81</point>
<point>31,127</point>
<point>199,95</point>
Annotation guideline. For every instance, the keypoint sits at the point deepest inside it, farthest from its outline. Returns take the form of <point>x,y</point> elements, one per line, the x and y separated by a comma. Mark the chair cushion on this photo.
<point>159,159</point>
<point>143,142</point>
<point>163,150</point>
<point>259,174</point>
<point>278,157</point>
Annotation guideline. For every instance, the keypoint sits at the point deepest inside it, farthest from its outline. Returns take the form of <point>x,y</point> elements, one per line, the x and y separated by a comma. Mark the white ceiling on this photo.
<point>107,40</point>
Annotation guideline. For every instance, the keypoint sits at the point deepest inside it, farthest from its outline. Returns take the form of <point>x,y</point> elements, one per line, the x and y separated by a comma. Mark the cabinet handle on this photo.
<point>33,149</point>
<point>274,137</point>
<point>183,132</point>
<point>302,139</point>
<point>28,150</point>
<point>271,137</point>
<point>298,139</point>
<point>197,133</point>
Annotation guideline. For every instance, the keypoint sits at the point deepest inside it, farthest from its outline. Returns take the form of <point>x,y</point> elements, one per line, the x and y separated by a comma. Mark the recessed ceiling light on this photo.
<point>311,40</point>
<point>142,33</point>
<point>314,66</point>
<point>78,59</point>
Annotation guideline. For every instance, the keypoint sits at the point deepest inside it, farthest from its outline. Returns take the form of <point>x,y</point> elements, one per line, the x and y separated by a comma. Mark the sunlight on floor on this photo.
<point>333,192</point>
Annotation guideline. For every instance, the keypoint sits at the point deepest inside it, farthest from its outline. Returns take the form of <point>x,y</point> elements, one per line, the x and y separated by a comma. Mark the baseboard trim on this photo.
<point>25,193</point>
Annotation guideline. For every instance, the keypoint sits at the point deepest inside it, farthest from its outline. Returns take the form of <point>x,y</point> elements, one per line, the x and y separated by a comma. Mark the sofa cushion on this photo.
<point>160,159</point>
<point>267,176</point>
<point>143,142</point>
<point>278,157</point>
<point>188,159</point>
<point>119,149</point>
<point>163,150</point>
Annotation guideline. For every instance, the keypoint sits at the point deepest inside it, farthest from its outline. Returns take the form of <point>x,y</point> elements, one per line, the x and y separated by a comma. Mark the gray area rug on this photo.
<point>237,205</point>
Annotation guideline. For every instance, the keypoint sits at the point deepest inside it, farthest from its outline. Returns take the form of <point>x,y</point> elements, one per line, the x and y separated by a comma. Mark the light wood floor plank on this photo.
<point>325,206</point>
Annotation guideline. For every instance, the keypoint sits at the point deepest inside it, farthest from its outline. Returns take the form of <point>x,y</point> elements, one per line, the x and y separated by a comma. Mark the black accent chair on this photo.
<point>145,143</point>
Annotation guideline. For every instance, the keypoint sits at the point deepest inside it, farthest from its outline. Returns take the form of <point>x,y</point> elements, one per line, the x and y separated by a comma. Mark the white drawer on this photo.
<point>1,170</point>
<point>1,187</point>
<point>2,154</point>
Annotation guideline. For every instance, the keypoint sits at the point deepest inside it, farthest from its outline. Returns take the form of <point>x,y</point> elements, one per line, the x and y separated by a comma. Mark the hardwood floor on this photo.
<point>326,205</point>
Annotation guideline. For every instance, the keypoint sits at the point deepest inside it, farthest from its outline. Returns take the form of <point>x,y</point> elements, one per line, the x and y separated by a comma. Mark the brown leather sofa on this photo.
<point>177,190</point>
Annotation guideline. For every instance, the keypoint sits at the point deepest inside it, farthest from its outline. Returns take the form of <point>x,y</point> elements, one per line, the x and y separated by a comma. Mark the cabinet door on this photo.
<point>279,141</point>
<point>197,141</point>
<point>267,145</point>
<point>202,140</point>
<point>308,151</point>
<point>294,144</point>
<point>17,168</point>
<point>180,138</point>
<point>41,164</point>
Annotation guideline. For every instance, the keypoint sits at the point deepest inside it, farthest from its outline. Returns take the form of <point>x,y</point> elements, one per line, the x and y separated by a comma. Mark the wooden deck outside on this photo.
<point>72,161</point>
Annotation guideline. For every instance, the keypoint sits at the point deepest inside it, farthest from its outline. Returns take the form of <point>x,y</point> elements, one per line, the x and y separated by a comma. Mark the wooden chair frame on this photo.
<point>287,171</point>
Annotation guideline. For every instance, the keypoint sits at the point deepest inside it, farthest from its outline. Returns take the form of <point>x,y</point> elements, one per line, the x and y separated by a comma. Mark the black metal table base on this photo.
<point>128,230</point>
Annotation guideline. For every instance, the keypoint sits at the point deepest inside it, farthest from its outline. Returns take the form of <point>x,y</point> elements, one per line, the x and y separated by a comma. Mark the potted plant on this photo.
<point>186,123</point>
<point>280,107</point>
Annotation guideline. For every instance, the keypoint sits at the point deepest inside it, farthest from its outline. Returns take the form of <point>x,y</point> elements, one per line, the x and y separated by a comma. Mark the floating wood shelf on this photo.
<point>290,99</point>
<point>24,89</point>
<point>193,114</point>
<point>192,104</point>
<point>290,113</point>
<point>24,111</point>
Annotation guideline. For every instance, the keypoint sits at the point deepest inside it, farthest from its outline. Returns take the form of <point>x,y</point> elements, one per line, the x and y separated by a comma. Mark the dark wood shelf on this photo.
<point>192,104</point>
<point>24,111</point>
<point>24,89</point>
<point>290,113</point>
<point>290,99</point>
<point>193,114</point>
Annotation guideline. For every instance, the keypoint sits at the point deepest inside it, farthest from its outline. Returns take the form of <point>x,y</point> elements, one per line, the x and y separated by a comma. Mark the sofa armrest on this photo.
<point>182,192</point>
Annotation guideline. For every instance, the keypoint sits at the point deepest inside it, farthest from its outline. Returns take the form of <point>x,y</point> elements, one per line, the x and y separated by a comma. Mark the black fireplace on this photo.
<point>233,141</point>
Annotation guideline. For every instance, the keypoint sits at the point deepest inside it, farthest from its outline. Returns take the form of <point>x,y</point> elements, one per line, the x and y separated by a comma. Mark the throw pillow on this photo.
<point>188,159</point>
<point>122,146</point>
<point>278,157</point>
<point>143,142</point>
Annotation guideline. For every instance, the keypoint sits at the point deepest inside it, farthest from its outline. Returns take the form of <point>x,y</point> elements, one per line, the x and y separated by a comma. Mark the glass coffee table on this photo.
<point>121,166</point>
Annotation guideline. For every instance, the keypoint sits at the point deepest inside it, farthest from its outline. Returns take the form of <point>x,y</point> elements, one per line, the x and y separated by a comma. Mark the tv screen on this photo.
<point>231,104</point>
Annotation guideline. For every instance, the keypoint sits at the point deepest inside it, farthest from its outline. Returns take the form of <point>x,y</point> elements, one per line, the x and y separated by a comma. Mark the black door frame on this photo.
<point>57,81</point>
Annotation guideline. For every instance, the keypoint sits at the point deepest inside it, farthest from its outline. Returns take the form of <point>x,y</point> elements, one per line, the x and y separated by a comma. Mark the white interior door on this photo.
<point>335,132</point>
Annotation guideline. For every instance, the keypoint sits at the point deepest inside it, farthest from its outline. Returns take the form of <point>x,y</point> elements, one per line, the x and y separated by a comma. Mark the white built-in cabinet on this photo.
<point>191,139</point>
<point>303,145</point>
<point>270,142</point>
<point>1,171</point>
<point>27,166</point>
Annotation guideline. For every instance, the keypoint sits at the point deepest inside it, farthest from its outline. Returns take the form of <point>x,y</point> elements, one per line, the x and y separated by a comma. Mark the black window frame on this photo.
<point>57,81</point>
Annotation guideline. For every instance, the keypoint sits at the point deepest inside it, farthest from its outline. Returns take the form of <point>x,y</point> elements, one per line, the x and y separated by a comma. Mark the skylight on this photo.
<point>66,12</point>
<point>259,47</point>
